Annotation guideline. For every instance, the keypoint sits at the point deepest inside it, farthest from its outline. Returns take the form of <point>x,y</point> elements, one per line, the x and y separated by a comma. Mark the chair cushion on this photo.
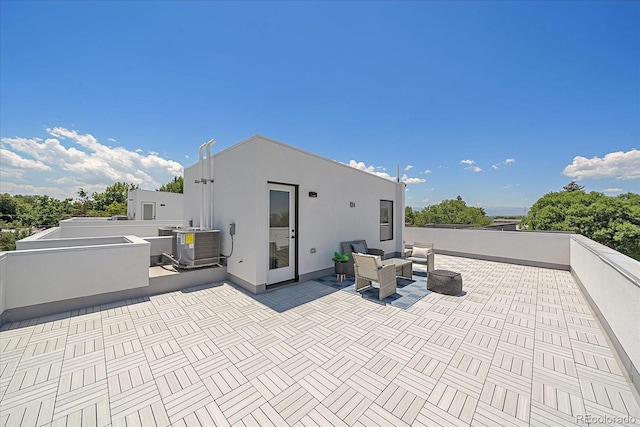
<point>420,252</point>
<point>359,248</point>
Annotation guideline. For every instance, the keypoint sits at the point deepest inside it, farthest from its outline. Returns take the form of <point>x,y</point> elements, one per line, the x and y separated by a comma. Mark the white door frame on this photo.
<point>153,210</point>
<point>282,249</point>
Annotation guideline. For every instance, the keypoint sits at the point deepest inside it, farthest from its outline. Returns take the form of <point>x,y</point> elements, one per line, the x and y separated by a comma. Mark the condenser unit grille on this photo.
<point>196,248</point>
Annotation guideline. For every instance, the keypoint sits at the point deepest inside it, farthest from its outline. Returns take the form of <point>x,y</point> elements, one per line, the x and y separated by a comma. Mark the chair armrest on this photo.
<point>378,252</point>
<point>387,274</point>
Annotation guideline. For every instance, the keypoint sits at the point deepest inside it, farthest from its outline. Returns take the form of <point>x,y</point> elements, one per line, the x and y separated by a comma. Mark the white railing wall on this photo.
<point>159,245</point>
<point>114,228</point>
<point>529,248</point>
<point>39,276</point>
<point>611,281</point>
<point>3,282</point>
<point>97,227</point>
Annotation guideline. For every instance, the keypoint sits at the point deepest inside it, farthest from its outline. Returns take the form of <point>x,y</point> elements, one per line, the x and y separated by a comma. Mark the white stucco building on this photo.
<point>291,210</point>
<point>151,205</point>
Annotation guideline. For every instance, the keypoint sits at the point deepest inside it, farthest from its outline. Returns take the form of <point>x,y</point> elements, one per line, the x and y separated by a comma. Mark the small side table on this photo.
<point>444,282</point>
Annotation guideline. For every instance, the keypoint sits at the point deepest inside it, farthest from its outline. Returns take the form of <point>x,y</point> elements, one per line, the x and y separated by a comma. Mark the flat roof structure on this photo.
<point>520,347</point>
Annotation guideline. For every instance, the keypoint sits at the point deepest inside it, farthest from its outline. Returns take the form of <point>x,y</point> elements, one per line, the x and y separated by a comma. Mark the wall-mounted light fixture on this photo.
<point>313,194</point>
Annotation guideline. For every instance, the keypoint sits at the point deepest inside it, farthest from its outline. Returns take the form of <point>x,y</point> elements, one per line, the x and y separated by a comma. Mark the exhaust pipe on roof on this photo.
<point>203,179</point>
<point>210,179</point>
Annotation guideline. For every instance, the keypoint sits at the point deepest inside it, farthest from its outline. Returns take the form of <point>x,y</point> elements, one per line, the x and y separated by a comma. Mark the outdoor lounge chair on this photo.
<point>358,246</point>
<point>422,253</point>
<point>369,268</point>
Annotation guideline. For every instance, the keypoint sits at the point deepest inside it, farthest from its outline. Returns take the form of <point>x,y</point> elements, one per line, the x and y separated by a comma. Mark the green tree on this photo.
<point>175,186</point>
<point>9,238</point>
<point>8,207</point>
<point>83,205</point>
<point>43,211</point>
<point>612,221</point>
<point>116,208</point>
<point>117,192</point>
<point>572,186</point>
<point>409,215</point>
<point>453,211</point>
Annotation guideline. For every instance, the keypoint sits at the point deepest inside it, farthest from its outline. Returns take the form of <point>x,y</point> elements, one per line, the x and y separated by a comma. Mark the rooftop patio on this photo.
<point>520,347</point>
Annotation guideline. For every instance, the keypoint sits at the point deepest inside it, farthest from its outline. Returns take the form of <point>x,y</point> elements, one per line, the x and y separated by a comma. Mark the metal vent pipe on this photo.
<point>203,179</point>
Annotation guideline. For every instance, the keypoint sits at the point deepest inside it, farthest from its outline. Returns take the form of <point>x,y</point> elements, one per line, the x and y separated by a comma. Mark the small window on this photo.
<point>386,220</point>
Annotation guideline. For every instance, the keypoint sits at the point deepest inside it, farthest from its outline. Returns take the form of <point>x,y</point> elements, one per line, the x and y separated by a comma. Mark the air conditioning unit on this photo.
<point>167,230</point>
<point>194,247</point>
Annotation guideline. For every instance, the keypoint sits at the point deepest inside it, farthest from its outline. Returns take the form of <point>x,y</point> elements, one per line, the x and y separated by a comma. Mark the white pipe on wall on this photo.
<point>201,181</point>
<point>210,183</point>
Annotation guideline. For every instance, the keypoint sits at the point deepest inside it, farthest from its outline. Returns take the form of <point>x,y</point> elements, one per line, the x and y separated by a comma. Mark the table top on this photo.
<point>396,261</point>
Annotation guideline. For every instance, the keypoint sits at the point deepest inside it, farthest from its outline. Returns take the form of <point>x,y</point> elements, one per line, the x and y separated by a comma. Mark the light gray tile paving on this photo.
<point>522,347</point>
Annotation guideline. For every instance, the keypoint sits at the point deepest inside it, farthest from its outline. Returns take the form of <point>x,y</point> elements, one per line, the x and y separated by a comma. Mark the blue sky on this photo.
<point>499,102</point>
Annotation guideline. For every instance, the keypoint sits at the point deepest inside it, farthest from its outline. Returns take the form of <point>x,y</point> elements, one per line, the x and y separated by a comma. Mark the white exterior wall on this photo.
<point>72,272</point>
<point>616,295</point>
<point>3,281</point>
<point>191,193</point>
<point>534,248</point>
<point>235,200</point>
<point>241,177</point>
<point>168,206</point>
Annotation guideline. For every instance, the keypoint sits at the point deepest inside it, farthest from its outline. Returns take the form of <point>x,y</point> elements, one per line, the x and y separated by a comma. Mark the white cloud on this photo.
<point>26,189</point>
<point>506,162</point>
<point>427,171</point>
<point>474,168</point>
<point>408,180</point>
<point>409,167</point>
<point>612,190</point>
<point>370,169</point>
<point>87,164</point>
<point>467,162</point>
<point>619,165</point>
<point>112,139</point>
<point>13,160</point>
<point>425,200</point>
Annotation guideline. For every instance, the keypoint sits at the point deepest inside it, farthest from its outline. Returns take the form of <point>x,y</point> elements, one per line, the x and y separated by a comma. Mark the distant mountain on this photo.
<point>496,211</point>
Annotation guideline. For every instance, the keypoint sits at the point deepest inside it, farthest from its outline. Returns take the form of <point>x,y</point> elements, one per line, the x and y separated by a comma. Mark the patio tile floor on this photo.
<point>520,347</point>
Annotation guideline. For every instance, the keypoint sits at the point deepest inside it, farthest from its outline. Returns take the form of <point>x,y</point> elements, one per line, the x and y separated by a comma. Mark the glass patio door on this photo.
<point>282,233</point>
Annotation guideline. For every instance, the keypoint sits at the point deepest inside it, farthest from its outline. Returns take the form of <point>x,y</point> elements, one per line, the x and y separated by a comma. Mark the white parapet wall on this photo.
<point>3,269</point>
<point>74,269</point>
<point>544,249</point>
<point>97,227</point>
<point>611,281</point>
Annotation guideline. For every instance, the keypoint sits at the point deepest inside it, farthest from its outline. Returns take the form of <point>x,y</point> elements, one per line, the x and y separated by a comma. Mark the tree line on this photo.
<point>453,211</point>
<point>613,221</point>
<point>20,214</point>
